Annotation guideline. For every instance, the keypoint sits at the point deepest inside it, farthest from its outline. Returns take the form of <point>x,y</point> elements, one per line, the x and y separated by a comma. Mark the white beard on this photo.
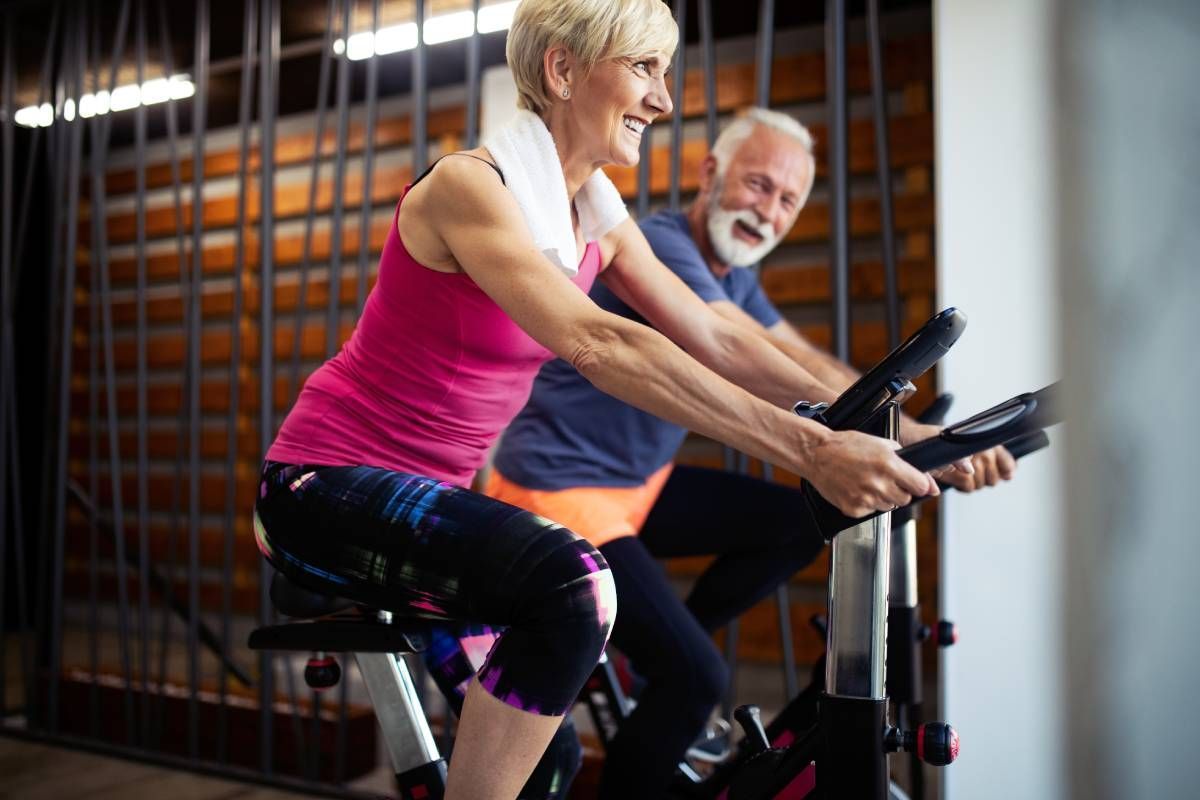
<point>728,248</point>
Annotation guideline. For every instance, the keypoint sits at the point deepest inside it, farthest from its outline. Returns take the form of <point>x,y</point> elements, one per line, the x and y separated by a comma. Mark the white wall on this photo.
<point>1000,548</point>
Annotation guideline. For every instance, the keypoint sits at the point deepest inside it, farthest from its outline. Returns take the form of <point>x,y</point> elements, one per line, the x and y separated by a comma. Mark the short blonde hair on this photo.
<point>592,30</point>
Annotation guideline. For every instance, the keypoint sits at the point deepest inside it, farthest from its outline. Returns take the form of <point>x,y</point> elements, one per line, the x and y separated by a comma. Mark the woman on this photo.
<point>363,490</point>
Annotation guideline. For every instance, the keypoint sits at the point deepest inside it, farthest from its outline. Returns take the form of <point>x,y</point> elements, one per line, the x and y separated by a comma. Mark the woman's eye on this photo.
<point>644,66</point>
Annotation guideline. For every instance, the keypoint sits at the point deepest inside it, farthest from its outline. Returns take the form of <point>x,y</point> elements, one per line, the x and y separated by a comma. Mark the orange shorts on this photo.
<point>597,513</point>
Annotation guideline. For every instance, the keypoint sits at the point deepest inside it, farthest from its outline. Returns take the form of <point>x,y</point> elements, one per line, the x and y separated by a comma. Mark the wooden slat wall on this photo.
<point>799,285</point>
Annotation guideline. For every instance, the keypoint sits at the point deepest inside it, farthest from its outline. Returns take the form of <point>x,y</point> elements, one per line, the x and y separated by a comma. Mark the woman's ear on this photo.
<point>557,67</point>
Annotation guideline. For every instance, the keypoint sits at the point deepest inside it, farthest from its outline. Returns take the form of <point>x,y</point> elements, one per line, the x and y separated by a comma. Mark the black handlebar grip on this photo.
<point>1030,443</point>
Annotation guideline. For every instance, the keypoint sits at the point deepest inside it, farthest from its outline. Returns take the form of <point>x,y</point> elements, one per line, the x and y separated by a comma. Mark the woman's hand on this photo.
<point>861,474</point>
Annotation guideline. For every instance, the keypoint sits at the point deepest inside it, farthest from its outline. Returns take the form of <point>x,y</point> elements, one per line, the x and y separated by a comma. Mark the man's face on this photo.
<point>756,201</point>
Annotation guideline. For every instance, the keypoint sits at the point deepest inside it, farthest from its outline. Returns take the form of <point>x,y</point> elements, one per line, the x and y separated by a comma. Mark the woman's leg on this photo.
<point>685,675</point>
<point>755,528</point>
<point>453,657</point>
<point>418,546</point>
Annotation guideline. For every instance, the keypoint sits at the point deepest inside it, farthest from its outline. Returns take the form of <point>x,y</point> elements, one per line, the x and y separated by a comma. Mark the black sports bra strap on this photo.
<point>468,155</point>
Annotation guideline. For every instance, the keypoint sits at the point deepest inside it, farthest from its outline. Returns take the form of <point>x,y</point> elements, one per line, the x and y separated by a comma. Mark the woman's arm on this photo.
<point>482,227</point>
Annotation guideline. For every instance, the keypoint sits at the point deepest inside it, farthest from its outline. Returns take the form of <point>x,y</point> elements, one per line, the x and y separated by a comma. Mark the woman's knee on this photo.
<point>569,588</point>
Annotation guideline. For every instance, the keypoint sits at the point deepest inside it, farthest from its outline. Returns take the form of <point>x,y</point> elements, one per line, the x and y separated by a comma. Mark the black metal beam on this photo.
<point>268,99</point>
<point>420,99</point>
<point>473,80</point>
<point>293,380</point>
<point>839,173</point>
<point>245,104</point>
<point>883,168</point>
<point>679,67</point>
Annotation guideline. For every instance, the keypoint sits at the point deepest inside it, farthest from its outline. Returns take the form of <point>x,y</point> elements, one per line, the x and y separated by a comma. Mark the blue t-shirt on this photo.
<point>572,434</point>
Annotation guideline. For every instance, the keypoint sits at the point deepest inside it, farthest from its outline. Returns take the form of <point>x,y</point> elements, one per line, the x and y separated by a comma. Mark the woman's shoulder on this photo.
<point>463,178</point>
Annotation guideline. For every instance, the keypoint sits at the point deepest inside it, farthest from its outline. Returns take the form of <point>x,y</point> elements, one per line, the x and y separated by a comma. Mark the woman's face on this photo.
<point>615,104</point>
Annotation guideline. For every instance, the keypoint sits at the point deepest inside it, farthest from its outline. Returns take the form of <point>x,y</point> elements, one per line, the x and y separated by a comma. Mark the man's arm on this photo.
<point>741,356</point>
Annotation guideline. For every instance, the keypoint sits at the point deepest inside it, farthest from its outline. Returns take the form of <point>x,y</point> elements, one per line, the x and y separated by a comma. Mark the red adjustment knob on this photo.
<point>321,673</point>
<point>946,634</point>
<point>937,744</point>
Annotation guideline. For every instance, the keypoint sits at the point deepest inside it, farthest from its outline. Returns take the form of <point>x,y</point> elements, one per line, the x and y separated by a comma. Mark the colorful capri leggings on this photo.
<point>421,547</point>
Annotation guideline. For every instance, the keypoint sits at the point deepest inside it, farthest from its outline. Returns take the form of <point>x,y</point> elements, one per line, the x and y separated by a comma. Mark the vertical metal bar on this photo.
<point>55,160</point>
<point>680,68</point>
<point>43,92</point>
<point>766,53</point>
<point>7,143</point>
<point>199,112</point>
<point>883,168</point>
<point>143,458</point>
<point>339,757</point>
<point>473,79</point>
<point>368,170</point>
<point>312,764</point>
<point>839,173</point>
<point>333,310</point>
<point>93,436</point>
<point>6,311</point>
<point>268,92</point>
<point>643,173</point>
<point>182,416</point>
<point>709,53</point>
<point>73,66</point>
<point>293,382</point>
<point>420,147</point>
<point>102,125</point>
<point>94,471</point>
<point>245,100</point>
<point>765,62</point>
<point>19,547</point>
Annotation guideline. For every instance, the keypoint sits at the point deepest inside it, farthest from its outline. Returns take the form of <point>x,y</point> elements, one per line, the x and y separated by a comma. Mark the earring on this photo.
<point>566,92</point>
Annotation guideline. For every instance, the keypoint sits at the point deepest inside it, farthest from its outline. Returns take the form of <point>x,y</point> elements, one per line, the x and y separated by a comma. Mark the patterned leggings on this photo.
<point>425,548</point>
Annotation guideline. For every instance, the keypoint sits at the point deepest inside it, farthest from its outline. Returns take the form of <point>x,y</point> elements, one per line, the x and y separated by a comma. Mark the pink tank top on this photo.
<point>432,374</point>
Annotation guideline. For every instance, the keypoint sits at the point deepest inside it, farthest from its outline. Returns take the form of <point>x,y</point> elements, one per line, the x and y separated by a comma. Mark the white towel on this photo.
<point>524,150</point>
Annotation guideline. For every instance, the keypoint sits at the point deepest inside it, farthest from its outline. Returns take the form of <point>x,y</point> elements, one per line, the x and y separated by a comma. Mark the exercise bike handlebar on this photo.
<point>1018,448</point>
<point>1018,422</point>
<point>1023,415</point>
<point>889,377</point>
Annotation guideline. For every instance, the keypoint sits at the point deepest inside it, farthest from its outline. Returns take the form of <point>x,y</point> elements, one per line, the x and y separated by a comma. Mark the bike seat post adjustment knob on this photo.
<point>945,634</point>
<point>751,721</point>
<point>321,672</point>
<point>935,743</point>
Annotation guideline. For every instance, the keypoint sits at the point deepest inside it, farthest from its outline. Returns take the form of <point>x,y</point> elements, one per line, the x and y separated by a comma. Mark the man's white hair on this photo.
<point>745,123</point>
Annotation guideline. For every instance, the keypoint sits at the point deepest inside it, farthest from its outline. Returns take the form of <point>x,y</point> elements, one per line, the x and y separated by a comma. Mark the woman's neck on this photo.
<point>577,166</point>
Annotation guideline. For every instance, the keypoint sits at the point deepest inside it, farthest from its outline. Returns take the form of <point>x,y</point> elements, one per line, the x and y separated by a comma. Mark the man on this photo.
<point>604,469</point>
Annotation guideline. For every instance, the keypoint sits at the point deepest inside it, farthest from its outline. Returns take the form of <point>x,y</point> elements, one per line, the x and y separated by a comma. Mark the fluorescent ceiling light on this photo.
<point>123,98</point>
<point>442,28</point>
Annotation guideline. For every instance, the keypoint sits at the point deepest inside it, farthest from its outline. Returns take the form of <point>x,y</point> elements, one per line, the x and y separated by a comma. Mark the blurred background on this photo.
<point>193,195</point>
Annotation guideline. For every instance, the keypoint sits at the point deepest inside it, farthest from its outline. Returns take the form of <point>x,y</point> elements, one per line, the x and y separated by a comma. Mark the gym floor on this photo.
<point>35,771</point>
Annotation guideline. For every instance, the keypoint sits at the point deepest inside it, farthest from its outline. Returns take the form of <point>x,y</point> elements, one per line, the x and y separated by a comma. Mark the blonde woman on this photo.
<point>363,493</point>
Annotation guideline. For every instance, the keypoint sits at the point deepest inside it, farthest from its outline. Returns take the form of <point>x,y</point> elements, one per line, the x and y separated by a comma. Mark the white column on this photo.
<point>996,261</point>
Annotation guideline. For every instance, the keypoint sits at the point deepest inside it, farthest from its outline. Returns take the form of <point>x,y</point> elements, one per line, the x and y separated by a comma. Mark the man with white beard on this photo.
<point>604,469</point>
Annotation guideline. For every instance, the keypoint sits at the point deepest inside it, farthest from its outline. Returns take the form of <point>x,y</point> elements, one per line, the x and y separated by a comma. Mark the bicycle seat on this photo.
<point>293,600</point>
<point>335,625</point>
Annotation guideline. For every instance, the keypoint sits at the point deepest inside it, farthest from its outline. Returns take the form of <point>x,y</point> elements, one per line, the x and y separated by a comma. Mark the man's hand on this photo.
<point>861,474</point>
<point>983,469</point>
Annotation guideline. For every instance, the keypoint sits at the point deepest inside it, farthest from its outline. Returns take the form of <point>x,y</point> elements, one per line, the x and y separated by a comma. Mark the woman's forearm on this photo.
<point>642,367</point>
